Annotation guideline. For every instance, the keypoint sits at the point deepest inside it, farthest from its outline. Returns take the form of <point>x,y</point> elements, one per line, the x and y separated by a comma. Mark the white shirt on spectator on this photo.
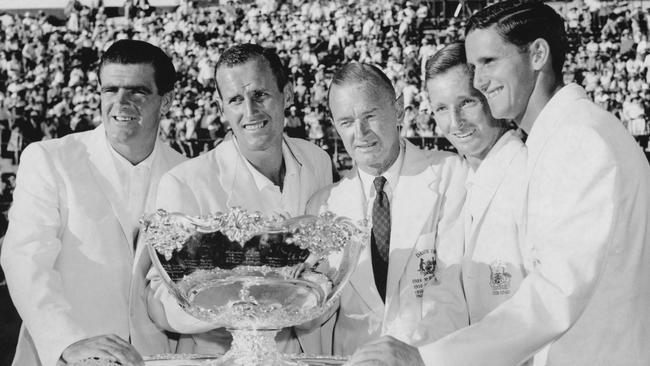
<point>592,47</point>
<point>633,66</point>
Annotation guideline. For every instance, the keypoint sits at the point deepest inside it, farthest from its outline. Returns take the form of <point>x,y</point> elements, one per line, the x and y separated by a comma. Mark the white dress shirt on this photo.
<point>134,184</point>
<point>276,201</point>
<point>392,177</point>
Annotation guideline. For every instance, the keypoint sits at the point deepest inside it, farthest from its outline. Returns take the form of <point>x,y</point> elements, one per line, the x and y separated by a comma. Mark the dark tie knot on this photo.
<point>379,183</point>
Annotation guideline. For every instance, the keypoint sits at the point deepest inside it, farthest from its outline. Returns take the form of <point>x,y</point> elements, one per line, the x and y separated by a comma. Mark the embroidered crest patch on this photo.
<point>499,278</point>
<point>426,267</point>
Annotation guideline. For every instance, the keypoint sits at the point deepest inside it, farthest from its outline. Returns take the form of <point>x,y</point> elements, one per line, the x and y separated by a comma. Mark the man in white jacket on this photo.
<point>410,268</point>
<point>586,211</point>
<point>69,251</point>
<point>492,266</point>
<point>258,168</point>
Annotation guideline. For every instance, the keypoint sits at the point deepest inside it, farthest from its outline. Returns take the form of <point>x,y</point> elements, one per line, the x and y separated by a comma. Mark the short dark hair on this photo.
<point>128,51</point>
<point>360,73</point>
<point>241,53</point>
<point>448,57</point>
<point>520,22</point>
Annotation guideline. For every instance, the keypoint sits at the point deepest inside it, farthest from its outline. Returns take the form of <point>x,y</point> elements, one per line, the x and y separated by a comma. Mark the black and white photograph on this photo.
<point>324,182</point>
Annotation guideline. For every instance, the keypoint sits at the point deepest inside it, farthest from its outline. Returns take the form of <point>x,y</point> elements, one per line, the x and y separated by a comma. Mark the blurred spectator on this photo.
<point>633,115</point>
<point>15,143</point>
<point>294,125</point>
<point>609,57</point>
<point>48,88</point>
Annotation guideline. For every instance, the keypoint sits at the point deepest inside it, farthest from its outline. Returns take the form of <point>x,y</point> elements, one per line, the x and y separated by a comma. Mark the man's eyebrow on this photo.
<point>139,87</point>
<point>233,96</point>
<point>259,89</point>
<point>363,114</point>
<point>133,87</point>
<point>371,110</point>
<point>484,58</point>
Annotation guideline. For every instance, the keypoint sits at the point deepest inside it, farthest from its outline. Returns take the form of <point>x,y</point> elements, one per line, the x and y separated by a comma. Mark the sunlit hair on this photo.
<point>128,52</point>
<point>361,73</point>
<point>242,53</point>
<point>521,22</point>
<point>450,56</point>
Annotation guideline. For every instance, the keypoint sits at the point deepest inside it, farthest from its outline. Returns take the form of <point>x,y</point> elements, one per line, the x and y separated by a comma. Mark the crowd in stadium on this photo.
<point>48,82</point>
<point>49,88</point>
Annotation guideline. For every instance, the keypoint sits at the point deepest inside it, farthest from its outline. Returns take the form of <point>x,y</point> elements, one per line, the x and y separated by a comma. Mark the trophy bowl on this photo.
<point>252,274</point>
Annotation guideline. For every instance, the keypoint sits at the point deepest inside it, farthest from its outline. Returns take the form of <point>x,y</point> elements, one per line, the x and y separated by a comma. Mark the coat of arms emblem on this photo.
<point>499,278</point>
<point>427,266</point>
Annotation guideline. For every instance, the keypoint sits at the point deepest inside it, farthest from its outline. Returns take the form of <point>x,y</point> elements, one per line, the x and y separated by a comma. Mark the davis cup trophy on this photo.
<point>252,274</point>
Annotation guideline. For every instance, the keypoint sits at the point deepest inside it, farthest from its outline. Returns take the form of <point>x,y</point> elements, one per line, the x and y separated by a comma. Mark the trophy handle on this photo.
<point>166,279</point>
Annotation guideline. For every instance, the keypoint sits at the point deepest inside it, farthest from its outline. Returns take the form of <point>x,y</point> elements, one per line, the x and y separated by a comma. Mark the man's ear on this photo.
<point>540,53</point>
<point>166,103</point>
<point>399,108</point>
<point>288,94</point>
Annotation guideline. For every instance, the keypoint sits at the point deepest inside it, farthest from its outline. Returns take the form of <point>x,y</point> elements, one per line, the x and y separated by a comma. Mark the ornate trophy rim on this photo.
<point>323,234</point>
<point>252,274</point>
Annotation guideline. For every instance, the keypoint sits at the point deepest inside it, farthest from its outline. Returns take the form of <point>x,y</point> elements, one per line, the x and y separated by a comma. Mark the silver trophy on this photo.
<point>252,274</point>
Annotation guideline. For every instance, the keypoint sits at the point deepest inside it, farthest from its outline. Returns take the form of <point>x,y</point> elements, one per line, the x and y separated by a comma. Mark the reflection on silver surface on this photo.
<point>252,274</point>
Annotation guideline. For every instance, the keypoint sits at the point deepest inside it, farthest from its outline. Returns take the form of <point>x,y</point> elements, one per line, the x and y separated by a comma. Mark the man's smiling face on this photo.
<point>502,72</point>
<point>130,103</point>
<point>253,104</point>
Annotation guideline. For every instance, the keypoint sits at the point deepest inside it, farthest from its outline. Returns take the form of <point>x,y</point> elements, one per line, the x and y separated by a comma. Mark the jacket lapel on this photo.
<point>234,175</point>
<point>103,169</point>
<point>305,179</point>
<point>492,172</point>
<point>347,199</point>
<point>160,166</point>
<point>553,113</point>
<point>412,204</point>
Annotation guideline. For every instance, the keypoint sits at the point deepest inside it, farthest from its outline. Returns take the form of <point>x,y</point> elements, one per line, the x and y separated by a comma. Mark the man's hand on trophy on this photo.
<point>386,351</point>
<point>105,347</point>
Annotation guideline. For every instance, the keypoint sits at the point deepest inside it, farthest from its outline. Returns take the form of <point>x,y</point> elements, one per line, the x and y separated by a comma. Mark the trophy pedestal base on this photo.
<point>254,348</point>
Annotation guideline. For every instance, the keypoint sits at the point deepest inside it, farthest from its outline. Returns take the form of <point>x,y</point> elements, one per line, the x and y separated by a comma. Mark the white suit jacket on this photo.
<point>586,217</point>
<point>68,254</point>
<point>215,182</point>
<point>426,247</point>
<point>493,266</point>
